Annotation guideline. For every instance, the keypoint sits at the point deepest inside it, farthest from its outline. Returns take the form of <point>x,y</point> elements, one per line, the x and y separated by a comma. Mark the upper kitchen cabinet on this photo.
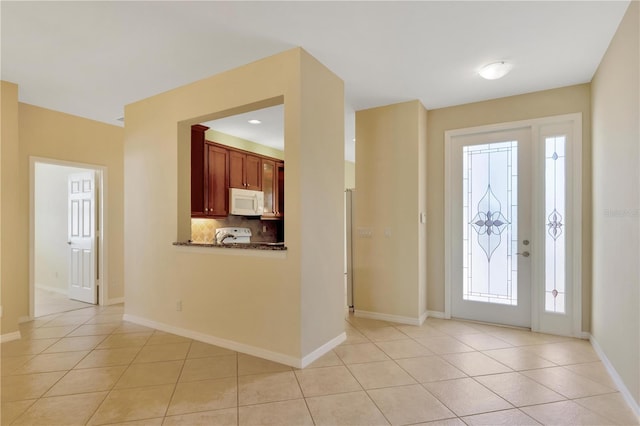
<point>217,181</point>
<point>245,171</point>
<point>197,170</point>
<point>280,189</point>
<point>209,176</point>
<point>273,188</point>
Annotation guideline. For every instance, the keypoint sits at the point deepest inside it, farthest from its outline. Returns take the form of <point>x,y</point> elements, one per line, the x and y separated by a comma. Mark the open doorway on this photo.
<point>66,242</point>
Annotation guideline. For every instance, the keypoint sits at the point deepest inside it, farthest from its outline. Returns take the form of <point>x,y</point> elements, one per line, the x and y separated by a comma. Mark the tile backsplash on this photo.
<point>203,230</point>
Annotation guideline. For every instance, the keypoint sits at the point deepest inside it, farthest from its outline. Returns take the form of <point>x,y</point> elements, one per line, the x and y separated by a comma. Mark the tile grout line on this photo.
<point>175,386</point>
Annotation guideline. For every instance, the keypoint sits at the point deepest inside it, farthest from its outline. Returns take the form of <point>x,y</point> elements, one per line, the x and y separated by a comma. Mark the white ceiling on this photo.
<point>270,131</point>
<point>92,58</point>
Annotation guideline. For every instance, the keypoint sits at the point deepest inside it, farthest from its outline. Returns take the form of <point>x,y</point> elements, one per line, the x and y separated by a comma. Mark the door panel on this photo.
<point>491,215</point>
<point>216,185</point>
<point>236,170</point>
<point>253,173</point>
<point>82,237</point>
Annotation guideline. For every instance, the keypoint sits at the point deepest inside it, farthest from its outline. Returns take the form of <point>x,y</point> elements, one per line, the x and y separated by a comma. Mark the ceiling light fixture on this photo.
<point>254,121</point>
<point>495,70</point>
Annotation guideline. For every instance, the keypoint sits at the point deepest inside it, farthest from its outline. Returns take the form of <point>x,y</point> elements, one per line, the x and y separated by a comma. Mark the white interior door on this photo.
<point>348,245</point>
<point>82,237</point>
<point>490,209</point>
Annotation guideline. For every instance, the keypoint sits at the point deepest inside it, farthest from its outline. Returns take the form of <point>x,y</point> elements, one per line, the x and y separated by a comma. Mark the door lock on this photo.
<point>524,254</point>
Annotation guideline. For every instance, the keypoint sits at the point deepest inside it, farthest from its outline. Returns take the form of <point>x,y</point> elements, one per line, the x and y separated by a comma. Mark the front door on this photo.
<point>490,213</point>
<point>82,237</point>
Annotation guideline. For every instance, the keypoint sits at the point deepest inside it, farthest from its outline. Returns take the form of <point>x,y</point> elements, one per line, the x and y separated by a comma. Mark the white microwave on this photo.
<point>244,202</point>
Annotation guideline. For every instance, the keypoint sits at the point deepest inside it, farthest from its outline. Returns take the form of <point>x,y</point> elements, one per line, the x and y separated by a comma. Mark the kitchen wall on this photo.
<point>531,105</point>
<point>285,306</point>
<point>225,139</point>
<point>389,260</point>
<point>616,203</point>
<point>263,231</point>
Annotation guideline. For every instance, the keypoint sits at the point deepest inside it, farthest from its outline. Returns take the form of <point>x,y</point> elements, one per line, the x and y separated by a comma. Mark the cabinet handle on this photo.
<point>206,209</point>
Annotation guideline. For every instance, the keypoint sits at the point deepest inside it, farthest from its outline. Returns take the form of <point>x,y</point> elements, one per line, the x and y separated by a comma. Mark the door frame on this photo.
<point>101,233</point>
<point>574,232</point>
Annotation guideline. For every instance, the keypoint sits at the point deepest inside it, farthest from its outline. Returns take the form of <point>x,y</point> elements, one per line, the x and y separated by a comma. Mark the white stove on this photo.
<point>232,235</point>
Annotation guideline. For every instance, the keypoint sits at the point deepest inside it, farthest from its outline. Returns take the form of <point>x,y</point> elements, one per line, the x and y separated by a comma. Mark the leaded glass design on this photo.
<point>490,222</point>
<point>555,212</point>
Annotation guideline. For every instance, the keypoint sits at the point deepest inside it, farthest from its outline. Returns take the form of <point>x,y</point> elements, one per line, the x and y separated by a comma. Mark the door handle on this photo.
<point>524,254</point>
<point>69,242</point>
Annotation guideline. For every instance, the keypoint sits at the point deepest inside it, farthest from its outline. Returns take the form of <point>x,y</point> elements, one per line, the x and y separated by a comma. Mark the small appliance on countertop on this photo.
<point>233,235</point>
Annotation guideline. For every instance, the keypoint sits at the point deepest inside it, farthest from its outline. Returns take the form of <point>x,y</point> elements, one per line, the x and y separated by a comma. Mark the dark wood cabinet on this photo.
<point>279,189</point>
<point>217,182</point>
<point>215,168</point>
<point>197,169</point>
<point>273,188</point>
<point>245,171</point>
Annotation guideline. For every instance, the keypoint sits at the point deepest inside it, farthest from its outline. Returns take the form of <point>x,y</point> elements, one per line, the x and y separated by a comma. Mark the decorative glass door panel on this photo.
<point>490,219</point>
<point>490,224</point>
<point>555,211</point>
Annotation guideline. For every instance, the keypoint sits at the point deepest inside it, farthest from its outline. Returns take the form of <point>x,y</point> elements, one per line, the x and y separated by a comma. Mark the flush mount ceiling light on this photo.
<point>254,121</point>
<point>495,70</point>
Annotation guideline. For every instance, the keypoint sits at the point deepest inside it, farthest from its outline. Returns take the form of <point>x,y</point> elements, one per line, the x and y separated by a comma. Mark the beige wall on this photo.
<point>533,105</point>
<point>57,136</point>
<point>284,307</point>
<point>14,251</point>
<point>349,175</point>
<point>389,266</point>
<point>616,202</point>
<point>29,131</point>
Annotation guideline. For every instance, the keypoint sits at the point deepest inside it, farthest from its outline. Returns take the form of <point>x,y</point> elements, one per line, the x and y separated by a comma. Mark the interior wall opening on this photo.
<point>52,269</point>
<point>238,177</point>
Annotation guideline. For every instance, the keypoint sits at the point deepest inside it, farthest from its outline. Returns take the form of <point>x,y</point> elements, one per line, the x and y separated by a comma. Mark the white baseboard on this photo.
<point>391,318</point>
<point>4,338</point>
<point>624,391</point>
<point>437,314</point>
<point>24,319</point>
<point>240,347</point>
<point>62,291</point>
<point>114,301</point>
<point>306,360</point>
<point>585,335</point>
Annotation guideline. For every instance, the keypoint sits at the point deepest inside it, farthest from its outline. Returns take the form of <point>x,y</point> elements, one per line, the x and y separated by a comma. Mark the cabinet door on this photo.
<point>217,184</point>
<point>237,170</point>
<point>198,177</point>
<point>268,187</point>
<point>253,173</point>
<point>279,190</point>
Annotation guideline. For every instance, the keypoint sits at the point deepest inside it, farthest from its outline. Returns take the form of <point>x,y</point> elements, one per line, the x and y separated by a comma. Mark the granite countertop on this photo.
<point>252,246</point>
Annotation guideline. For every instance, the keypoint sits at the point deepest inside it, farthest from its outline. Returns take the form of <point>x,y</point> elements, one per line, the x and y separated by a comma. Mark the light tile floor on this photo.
<point>48,302</point>
<point>89,367</point>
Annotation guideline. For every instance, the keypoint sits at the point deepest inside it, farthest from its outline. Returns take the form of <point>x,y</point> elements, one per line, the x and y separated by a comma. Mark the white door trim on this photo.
<point>102,199</point>
<point>574,202</point>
